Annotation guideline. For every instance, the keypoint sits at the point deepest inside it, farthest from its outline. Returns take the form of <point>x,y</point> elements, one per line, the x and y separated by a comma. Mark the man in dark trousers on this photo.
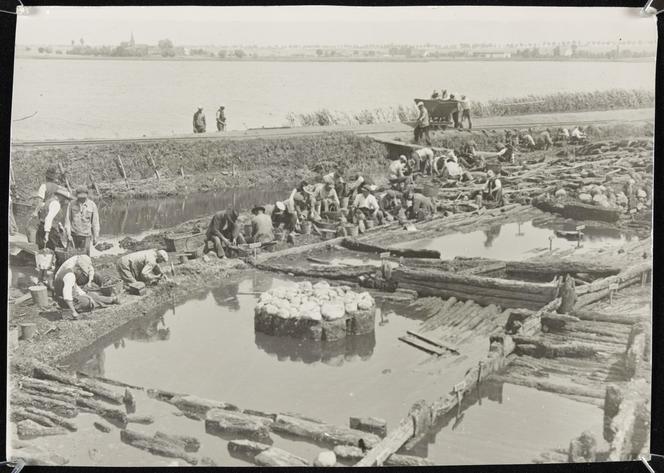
<point>455,113</point>
<point>422,125</point>
<point>221,119</point>
<point>199,121</point>
<point>224,231</point>
<point>82,221</point>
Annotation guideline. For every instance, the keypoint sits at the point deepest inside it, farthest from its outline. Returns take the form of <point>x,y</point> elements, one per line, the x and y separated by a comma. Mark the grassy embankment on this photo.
<point>613,99</point>
<point>208,164</point>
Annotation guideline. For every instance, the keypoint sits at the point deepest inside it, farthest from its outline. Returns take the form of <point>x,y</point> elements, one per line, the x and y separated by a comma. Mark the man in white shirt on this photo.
<point>73,274</point>
<point>325,197</point>
<point>453,170</point>
<point>422,159</point>
<point>50,216</point>
<point>577,135</point>
<point>365,205</point>
<point>493,189</point>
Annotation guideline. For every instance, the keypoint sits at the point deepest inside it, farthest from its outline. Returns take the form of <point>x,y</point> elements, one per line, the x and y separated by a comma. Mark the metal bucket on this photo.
<point>369,223</point>
<point>306,228</point>
<point>351,230</point>
<point>39,295</point>
<point>28,331</point>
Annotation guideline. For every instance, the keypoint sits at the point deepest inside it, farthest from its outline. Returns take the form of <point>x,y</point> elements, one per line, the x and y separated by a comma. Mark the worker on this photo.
<point>434,95</point>
<point>50,229</point>
<point>223,231</point>
<point>455,112</point>
<point>284,215</point>
<point>545,140</point>
<point>493,189</point>
<point>577,135</point>
<point>453,170</point>
<point>354,184</point>
<point>365,206</point>
<point>142,266</point>
<point>505,153</point>
<point>443,94</point>
<point>302,199</point>
<point>422,159</point>
<point>529,142</point>
<point>261,226</point>
<point>336,179</point>
<point>420,207</point>
<point>326,198</point>
<point>398,168</point>
<point>422,125</point>
<point>75,273</point>
<point>199,121</point>
<point>465,112</point>
<point>221,119</point>
<point>563,135</point>
<point>82,222</point>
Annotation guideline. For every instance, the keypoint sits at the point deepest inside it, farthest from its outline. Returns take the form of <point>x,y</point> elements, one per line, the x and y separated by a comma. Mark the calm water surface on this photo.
<point>119,98</point>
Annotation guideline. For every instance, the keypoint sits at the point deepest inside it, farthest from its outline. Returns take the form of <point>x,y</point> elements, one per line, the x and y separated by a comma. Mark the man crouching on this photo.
<point>142,266</point>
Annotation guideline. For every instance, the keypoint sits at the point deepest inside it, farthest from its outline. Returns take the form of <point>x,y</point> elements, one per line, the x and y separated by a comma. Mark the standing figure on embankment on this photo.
<point>53,181</point>
<point>82,222</point>
<point>199,121</point>
<point>74,273</point>
<point>465,112</point>
<point>423,124</point>
<point>223,232</point>
<point>221,119</point>
<point>50,229</point>
<point>142,266</point>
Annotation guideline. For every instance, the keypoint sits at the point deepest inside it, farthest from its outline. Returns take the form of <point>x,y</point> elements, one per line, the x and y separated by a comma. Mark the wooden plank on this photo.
<point>390,444</point>
<point>433,341</point>
<point>424,346</point>
<point>484,268</point>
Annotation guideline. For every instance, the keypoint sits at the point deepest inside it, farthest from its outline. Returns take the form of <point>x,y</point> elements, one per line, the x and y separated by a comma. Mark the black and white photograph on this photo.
<point>330,236</point>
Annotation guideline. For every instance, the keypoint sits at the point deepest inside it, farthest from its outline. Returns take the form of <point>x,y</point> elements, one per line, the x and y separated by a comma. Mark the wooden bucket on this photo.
<point>351,230</point>
<point>39,295</point>
<point>369,224</point>
<point>306,228</point>
<point>28,331</point>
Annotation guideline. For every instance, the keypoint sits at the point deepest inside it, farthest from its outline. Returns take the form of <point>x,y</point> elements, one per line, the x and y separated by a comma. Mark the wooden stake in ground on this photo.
<point>121,168</point>
<point>94,184</point>
<point>153,166</point>
<point>64,176</point>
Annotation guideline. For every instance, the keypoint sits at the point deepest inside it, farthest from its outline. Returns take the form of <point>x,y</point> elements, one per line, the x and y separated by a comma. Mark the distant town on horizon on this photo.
<point>166,48</point>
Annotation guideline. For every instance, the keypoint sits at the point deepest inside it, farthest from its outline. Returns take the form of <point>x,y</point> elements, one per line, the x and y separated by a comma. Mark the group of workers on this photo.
<point>199,120</point>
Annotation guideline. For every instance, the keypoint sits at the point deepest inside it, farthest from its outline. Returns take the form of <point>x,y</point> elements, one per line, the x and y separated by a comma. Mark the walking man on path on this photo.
<point>465,112</point>
<point>423,124</point>
<point>221,119</point>
<point>199,121</point>
<point>82,222</point>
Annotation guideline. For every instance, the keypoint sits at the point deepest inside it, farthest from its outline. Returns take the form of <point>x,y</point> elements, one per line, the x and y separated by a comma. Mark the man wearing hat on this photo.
<point>422,125</point>
<point>142,266</point>
<point>326,197</point>
<point>453,170</point>
<point>221,119</point>
<point>420,206</point>
<point>75,273</point>
<point>82,221</point>
<point>261,226</point>
<point>422,159</point>
<point>199,121</point>
<point>49,230</point>
<point>284,214</point>
<point>223,231</point>
<point>365,205</point>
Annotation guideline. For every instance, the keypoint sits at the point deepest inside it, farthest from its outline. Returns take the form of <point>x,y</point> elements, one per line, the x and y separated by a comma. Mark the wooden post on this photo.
<point>94,184</point>
<point>390,444</point>
<point>153,166</point>
<point>181,171</point>
<point>612,288</point>
<point>121,168</point>
<point>64,176</point>
<point>567,294</point>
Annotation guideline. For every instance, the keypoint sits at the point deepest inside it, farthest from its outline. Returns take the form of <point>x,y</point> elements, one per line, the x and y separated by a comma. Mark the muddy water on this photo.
<point>207,346</point>
<point>138,215</point>
<point>514,241</point>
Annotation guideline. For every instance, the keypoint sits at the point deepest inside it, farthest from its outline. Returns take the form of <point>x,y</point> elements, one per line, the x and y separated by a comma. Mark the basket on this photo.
<point>327,225</point>
<point>62,255</point>
<point>351,230</point>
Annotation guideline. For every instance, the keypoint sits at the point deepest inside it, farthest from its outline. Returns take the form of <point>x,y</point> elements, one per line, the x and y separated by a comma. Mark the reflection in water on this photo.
<point>226,295</point>
<point>151,330</point>
<point>312,351</point>
<point>94,365</point>
<point>140,215</point>
<point>261,282</point>
<point>491,234</point>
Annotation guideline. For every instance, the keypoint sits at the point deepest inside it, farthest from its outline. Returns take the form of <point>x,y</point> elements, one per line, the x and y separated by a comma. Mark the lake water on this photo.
<point>371,375</point>
<point>76,98</point>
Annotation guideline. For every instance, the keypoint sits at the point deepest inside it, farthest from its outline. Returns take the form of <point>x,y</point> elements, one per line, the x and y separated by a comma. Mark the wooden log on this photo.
<point>277,457</point>
<point>246,448</point>
<point>548,386</point>
<point>53,418</point>
<point>56,397</point>
<point>550,350</point>
<point>45,372</point>
<point>29,429</point>
<point>111,414</point>
<point>355,245</point>
<point>372,425</point>
<point>329,272</point>
<point>102,427</point>
<point>433,341</point>
<point>484,268</point>
<point>62,408</point>
<point>234,423</point>
<point>112,382</point>
<point>187,442</point>
<point>156,446</point>
<point>567,295</point>
<point>549,266</point>
<point>199,407</point>
<point>422,345</point>
<point>390,444</point>
<point>611,318</point>
<point>322,432</point>
<point>18,414</point>
<point>140,419</point>
<point>54,388</point>
<point>347,452</point>
<point>589,298</point>
<point>475,282</point>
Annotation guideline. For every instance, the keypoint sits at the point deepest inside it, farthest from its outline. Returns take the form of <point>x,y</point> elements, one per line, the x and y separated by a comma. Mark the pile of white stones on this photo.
<point>317,301</point>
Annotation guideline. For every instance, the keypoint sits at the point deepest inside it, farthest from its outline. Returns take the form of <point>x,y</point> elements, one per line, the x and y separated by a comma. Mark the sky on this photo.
<point>330,25</point>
